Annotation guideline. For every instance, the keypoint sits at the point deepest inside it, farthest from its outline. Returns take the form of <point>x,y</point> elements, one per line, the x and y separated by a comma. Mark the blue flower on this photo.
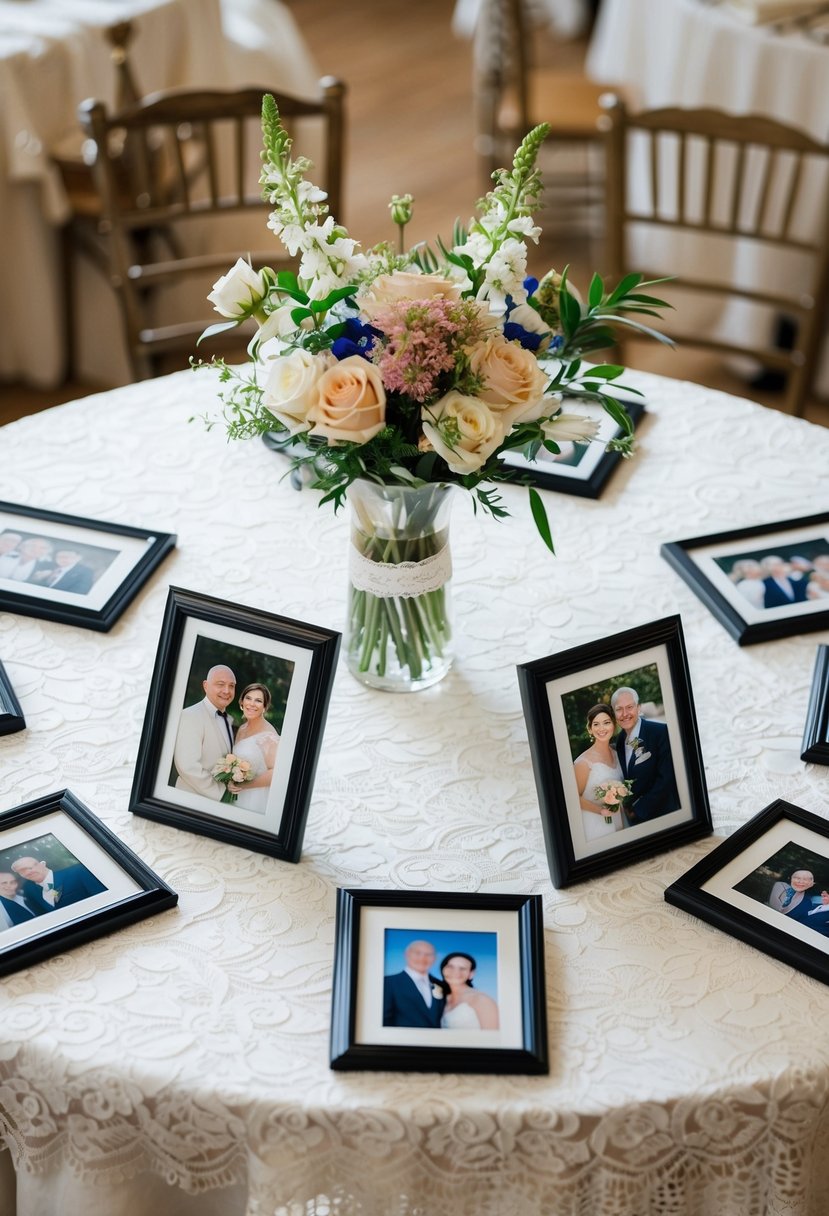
<point>513,332</point>
<point>530,285</point>
<point>357,339</point>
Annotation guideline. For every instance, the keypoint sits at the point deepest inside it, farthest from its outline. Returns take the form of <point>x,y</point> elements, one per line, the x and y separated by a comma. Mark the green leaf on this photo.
<point>286,280</point>
<point>623,287</point>
<point>540,519</point>
<point>595,292</point>
<point>298,315</point>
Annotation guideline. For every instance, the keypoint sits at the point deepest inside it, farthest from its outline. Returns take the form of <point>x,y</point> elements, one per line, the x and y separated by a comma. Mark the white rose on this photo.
<point>464,431</point>
<point>570,428</point>
<point>237,294</point>
<point>292,387</point>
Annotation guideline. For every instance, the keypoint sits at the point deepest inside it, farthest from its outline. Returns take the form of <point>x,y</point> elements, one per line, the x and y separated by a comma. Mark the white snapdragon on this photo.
<point>504,276</point>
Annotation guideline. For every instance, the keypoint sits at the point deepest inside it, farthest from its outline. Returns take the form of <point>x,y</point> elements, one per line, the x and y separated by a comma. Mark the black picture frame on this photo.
<point>775,841</point>
<point>549,474</point>
<point>557,693</point>
<point>11,714</point>
<point>703,562</point>
<point>361,1038</point>
<point>60,825</point>
<point>115,560</point>
<point>300,656</point>
<point>816,733</point>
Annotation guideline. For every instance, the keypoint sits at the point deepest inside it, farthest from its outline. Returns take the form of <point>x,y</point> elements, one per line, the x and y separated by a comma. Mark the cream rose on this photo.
<point>513,382</point>
<point>351,402</point>
<point>239,292</point>
<point>405,285</point>
<point>292,387</point>
<point>464,431</point>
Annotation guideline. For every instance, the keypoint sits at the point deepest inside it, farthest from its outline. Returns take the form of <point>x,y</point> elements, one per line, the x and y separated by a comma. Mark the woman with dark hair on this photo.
<point>256,741</point>
<point>465,1009</point>
<point>596,767</point>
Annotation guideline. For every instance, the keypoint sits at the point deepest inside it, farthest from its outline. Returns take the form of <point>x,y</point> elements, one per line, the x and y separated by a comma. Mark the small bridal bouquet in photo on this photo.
<point>614,794</point>
<point>229,770</point>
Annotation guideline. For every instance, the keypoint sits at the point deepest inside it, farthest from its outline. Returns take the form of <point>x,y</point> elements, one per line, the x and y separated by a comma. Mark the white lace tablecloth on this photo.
<point>181,1065</point>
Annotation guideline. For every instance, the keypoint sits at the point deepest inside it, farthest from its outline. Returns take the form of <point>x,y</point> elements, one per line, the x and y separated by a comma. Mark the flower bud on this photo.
<point>401,208</point>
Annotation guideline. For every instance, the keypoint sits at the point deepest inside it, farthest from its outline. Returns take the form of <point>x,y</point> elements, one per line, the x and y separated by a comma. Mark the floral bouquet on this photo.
<point>231,769</point>
<point>614,794</point>
<point>407,371</point>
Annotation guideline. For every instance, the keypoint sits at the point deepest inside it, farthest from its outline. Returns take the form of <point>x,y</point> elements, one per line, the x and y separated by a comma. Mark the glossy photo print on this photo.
<point>234,723</point>
<point>615,750</point>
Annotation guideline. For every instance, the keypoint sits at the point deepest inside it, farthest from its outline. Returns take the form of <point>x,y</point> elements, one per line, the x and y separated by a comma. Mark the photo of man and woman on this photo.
<point>37,560</point>
<point>228,729</point>
<point>621,752</point>
<point>783,576</point>
<point>38,877</point>
<point>794,881</point>
<point>440,979</point>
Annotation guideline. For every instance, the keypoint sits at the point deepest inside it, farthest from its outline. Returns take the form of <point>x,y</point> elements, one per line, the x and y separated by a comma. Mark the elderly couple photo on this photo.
<point>625,775</point>
<point>438,981</point>
<point>228,733</point>
<point>795,883</point>
<point>40,878</point>
<point>785,577</point>
<point>44,561</point>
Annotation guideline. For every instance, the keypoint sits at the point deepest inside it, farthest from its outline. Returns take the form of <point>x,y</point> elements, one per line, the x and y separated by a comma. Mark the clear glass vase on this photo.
<point>398,631</point>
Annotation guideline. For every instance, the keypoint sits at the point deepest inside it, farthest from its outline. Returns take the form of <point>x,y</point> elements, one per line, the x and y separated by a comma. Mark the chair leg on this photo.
<point>67,257</point>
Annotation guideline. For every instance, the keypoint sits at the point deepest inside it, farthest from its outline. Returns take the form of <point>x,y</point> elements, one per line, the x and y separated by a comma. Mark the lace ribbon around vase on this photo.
<point>398,634</point>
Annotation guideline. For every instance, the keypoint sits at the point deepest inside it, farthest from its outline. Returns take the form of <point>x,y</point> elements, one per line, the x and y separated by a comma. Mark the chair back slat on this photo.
<point>191,160</point>
<point>735,185</point>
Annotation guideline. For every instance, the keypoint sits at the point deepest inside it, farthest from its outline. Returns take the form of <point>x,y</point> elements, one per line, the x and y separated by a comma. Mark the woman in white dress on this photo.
<point>465,1009</point>
<point>256,741</point>
<point>597,766</point>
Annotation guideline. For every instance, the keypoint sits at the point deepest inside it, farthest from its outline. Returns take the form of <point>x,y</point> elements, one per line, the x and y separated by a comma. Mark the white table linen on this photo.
<point>53,55</point>
<point>689,53</point>
<point>689,1073</point>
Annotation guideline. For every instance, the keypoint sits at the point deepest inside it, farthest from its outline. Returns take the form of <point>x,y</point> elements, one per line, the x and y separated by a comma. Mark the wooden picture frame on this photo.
<point>288,667</point>
<point>11,714</point>
<point>97,884</point>
<point>380,1021</point>
<point>742,576</point>
<point>73,570</point>
<point>768,885</point>
<point>582,469</point>
<point>816,733</point>
<point>578,742</point>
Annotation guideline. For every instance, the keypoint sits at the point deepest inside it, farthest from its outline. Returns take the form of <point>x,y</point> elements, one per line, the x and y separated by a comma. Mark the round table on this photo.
<point>181,1065</point>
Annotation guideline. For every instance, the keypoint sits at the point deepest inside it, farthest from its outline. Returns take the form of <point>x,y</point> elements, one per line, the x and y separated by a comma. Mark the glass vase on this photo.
<point>398,631</point>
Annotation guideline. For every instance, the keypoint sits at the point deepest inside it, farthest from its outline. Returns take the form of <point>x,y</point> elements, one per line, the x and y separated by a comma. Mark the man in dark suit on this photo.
<point>644,751</point>
<point>779,589</point>
<point>413,997</point>
<point>69,573</point>
<point>16,906</point>
<point>59,887</point>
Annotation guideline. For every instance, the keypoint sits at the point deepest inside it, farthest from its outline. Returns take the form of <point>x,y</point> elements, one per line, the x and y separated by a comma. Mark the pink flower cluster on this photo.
<point>422,339</point>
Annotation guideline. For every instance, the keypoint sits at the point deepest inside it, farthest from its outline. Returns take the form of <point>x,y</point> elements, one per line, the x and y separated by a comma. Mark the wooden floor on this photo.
<point>411,124</point>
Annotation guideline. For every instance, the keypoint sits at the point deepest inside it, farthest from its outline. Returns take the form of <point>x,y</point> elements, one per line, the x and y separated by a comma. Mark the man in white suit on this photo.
<point>205,735</point>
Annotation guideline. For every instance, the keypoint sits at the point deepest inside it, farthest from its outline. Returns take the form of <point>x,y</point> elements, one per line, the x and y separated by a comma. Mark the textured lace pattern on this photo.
<point>689,1072</point>
<point>401,579</point>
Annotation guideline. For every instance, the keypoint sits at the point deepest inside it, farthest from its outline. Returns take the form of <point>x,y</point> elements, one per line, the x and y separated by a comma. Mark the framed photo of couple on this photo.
<point>73,570</point>
<point>768,885</point>
<point>582,469</point>
<point>11,714</point>
<point>65,879</point>
<point>442,982</point>
<point>763,582</point>
<point>615,750</point>
<point>234,723</point>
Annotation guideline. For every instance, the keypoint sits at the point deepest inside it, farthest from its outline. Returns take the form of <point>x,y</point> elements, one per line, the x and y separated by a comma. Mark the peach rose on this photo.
<point>351,402</point>
<point>513,382</point>
<point>464,431</point>
<point>405,285</point>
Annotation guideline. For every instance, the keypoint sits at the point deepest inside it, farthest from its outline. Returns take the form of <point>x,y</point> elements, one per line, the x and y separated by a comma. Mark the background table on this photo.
<point>696,54</point>
<point>53,55</point>
<point>689,1072</point>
